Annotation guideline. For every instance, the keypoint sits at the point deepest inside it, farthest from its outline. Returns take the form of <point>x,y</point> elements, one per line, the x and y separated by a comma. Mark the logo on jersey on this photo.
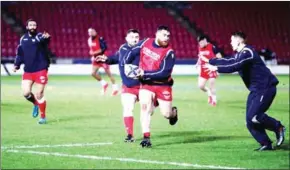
<point>204,52</point>
<point>42,79</point>
<point>92,43</point>
<point>151,53</point>
<point>166,94</point>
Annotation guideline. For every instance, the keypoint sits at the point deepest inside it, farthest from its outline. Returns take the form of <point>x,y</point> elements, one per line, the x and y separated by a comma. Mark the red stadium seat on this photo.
<point>68,23</point>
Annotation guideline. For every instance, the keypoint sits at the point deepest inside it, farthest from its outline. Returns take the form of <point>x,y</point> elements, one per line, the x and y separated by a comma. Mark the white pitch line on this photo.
<point>122,159</point>
<point>56,146</point>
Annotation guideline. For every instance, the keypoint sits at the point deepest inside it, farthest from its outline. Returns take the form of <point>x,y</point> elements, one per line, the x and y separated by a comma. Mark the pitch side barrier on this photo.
<point>85,69</point>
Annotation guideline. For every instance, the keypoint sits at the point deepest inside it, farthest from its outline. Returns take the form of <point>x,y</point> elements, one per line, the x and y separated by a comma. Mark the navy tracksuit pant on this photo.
<point>257,120</point>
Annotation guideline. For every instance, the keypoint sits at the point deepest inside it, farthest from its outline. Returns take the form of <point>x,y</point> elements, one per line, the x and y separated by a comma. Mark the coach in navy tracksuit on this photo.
<point>261,84</point>
<point>33,53</point>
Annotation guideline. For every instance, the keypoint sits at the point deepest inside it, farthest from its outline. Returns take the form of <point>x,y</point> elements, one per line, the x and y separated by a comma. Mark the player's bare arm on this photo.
<point>210,68</point>
<point>101,58</point>
<point>203,58</point>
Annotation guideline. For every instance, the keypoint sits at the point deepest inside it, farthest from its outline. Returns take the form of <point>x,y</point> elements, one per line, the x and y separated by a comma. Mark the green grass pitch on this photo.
<point>204,137</point>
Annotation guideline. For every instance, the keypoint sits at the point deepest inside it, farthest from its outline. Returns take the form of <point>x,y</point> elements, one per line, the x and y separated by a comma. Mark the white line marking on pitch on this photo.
<point>56,146</point>
<point>121,159</point>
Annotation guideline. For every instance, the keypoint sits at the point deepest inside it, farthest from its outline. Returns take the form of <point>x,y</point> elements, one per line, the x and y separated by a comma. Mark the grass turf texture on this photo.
<point>76,113</point>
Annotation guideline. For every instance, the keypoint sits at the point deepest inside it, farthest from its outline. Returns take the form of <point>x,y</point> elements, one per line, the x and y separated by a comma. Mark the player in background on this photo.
<point>98,47</point>
<point>261,84</point>
<point>130,87</point>
<point>32,51</point>
<point>155,67</point>
<point>209,51</point>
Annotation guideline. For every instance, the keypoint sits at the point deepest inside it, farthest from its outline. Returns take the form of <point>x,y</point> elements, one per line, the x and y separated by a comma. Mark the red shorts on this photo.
<point>39,77</point>
<point>103,65</point>
<point>161,92</point>
<point>207,75</point>
<point>99,64</point>
<point>132,90</point>
<point>135,91</point>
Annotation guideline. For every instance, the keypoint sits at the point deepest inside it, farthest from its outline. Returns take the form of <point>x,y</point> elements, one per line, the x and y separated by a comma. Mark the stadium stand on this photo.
<point>68,22</point>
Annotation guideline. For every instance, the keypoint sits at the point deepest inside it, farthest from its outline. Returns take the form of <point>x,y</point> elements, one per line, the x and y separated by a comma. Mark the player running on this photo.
<point>98,47</point>
<point>156,64</point>
<point>130,87</point>
<point>209,51</point>
<point>262,85</point>
<point>33,53</point>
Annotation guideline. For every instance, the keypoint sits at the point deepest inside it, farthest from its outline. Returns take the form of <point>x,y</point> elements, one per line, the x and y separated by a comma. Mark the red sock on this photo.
<point>42,107</point>
<point>147,135</point>
<point>129,122</point>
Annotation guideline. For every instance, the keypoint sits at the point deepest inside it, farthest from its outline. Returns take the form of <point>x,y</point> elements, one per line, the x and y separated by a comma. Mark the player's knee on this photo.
<point>128,111</point>
<point>166,114</point>
<point>253,119</point>
<point>146,108</point>
<point>145,97</point>
<point>93,74</point>
<point>201,86</point>
<point>39,95</point>
<point>26,93</point>
<point>259,119</point>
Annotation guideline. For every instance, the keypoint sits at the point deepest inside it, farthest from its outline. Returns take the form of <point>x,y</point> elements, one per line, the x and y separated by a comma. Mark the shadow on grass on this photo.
<point>186,137</point>
<point>74,118</point>
<point>285,146</point>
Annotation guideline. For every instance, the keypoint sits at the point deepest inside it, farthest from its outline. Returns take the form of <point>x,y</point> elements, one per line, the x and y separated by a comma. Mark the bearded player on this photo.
<point>209,51</point>
<point>157,60</point>
<point>98,47</point>
<point>33,53</point>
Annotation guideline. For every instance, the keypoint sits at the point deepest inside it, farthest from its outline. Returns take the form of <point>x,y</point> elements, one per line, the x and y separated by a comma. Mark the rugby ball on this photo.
<point>131,71</point>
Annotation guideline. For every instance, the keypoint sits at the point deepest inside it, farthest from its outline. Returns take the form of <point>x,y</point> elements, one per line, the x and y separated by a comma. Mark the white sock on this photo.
<point>208,91</point>
<point>103,82</point>
<point>214,98</point>
<point>145,119</point>
<point>115,86</point>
